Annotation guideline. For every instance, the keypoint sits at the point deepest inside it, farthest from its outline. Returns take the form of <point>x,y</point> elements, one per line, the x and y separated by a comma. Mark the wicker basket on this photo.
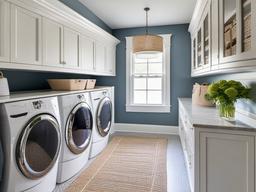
<point>227,38</point>
<point>90,83</point>
<point>247,26</point>
<point>233,50</point>
<point>233,32</point>
<point>247,44</point>
<point>227,52</point>
<point>67,84</point>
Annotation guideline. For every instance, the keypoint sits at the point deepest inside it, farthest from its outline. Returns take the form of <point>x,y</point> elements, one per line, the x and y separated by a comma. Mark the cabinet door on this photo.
<point>4,31</point>
<point>214,34</point>
<point>25,36</point>
<point>237,32</point>
<point>226,162</point>
<point>110,60</point>
<point>71,48</point>
<point>87,54</point>
<point>52,43</point>
<point>100,57</point>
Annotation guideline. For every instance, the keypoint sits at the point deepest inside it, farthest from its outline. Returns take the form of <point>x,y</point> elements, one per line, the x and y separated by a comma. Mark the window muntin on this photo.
<point>148,80</point>
<point>147,75</point>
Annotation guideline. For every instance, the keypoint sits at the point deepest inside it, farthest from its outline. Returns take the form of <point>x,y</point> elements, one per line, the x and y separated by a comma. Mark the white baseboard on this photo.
<point>144,128</point>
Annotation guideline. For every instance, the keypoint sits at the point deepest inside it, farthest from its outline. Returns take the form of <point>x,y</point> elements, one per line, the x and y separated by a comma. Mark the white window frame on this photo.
<point>166,106</point>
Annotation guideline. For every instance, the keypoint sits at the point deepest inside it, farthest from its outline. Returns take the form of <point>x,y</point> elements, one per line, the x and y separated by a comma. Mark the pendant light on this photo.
<point>147,45</point>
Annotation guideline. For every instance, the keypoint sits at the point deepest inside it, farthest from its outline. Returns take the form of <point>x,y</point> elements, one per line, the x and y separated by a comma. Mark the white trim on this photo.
<point>130,107</point>
<point>144,128</point>
<point>148,108</point>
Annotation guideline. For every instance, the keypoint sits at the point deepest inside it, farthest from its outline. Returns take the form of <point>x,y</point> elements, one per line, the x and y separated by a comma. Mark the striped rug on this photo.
<point>128,164</point>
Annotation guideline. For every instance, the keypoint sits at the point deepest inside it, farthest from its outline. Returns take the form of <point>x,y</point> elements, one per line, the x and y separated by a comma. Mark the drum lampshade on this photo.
<point>147,44</point>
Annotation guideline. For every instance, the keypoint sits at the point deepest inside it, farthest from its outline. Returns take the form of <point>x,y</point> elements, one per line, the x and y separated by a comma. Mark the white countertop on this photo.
<point>208,117</point>
<point>19,96</point>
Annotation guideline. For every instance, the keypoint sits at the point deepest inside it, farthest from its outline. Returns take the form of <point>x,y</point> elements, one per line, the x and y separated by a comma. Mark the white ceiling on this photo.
<point>129,13</point>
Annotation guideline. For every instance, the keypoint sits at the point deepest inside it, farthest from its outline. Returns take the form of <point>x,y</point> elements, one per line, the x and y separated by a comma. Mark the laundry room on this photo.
<point>120,96</point>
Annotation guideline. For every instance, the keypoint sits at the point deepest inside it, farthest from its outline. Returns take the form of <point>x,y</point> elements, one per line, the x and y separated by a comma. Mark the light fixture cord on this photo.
<point>146,9</point>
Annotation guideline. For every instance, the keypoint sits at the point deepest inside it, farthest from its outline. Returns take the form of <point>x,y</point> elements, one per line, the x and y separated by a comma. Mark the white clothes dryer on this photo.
<point>76,123</point>
<point>103,115</point>
<point>31,138</point>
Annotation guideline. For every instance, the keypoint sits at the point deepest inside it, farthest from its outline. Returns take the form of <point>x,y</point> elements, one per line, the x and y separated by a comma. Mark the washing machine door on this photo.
<point>38,146</point>
<point>79,128</point>
<point>104,116</point>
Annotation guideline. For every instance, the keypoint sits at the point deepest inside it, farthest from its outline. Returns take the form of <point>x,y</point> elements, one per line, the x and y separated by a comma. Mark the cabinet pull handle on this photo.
<point>37,40</point>
<point>60,40</point>
<point>94,56</point>
<point>78,45</point>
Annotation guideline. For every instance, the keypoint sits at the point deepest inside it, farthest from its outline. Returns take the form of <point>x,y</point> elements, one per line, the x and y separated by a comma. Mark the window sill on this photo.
<point>148,108</point>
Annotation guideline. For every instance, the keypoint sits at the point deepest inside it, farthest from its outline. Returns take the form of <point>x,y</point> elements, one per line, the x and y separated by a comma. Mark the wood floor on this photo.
<point>176,171</point>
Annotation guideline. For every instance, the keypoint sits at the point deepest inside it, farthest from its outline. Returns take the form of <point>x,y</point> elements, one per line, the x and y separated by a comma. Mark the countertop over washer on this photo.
<point>37,94</point>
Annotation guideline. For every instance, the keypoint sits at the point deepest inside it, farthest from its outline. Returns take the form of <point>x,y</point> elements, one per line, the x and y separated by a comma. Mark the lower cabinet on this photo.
<point>226,162</point>
<point>217,160</point>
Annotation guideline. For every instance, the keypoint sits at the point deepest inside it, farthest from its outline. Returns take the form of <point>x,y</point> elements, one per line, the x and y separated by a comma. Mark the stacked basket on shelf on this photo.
<point>246,26</point>
<point>230,36</point>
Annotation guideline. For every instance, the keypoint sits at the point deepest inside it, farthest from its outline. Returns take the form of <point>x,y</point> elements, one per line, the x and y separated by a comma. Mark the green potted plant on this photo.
<point>225,94</point>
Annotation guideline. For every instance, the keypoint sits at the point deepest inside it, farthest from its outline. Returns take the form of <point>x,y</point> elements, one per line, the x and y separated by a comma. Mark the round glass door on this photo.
<point>104,116</point>
<point>38,146</point>
<point>79,128</point>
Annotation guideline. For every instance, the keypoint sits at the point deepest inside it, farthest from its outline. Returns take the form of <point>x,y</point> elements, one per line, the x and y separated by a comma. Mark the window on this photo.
<point>148,80</point>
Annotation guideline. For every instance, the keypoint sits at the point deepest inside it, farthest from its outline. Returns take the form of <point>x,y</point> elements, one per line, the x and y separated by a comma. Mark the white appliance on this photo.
<point>31,138</point>
<point>103,115</point>
<point>77,123</point>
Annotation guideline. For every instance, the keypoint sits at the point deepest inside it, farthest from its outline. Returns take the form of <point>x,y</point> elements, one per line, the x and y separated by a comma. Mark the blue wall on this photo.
<point>85,12</point>
<point>27,80</point>
<point>181,83</point>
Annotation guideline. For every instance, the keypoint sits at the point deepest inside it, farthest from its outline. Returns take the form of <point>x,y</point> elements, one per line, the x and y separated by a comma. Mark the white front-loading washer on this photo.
<point>103,115</point>
<point>31,138</point>
<point>77,123</point>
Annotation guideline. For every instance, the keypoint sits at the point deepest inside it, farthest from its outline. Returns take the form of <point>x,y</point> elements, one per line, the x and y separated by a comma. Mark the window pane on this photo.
<point>137,59</point>
<point>155,68</point>
<point>157,59</point>
<point>154,97</point>
<point>140,83</point>
<point>155,83</point>
<point>140,68</point>
<point>140,97</point>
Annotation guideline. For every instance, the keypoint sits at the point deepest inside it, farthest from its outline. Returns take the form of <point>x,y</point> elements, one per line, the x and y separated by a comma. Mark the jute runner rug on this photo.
<point>128,164</point>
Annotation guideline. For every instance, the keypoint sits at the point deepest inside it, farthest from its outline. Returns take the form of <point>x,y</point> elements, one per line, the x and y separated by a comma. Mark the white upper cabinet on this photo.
<point>87,54</point>
<point>4,31</point>
<point>201,43</point>
<point>237,32</point>
<point>110,60</point>
<point>52,43</point>
<point>49,36</point>
<point>25,36</point>
<point>100,57</point>
<point>71,48</point>
<point>232,36</point>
